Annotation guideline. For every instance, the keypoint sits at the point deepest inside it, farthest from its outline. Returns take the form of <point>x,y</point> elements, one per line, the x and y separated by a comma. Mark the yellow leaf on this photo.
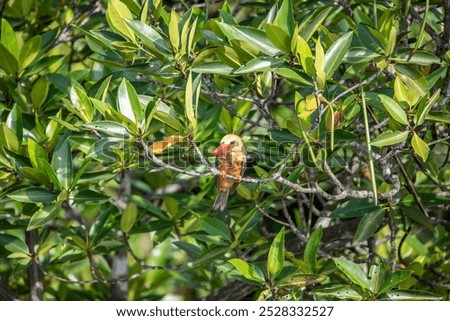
<point>420,147</point>
<point>159,146</point>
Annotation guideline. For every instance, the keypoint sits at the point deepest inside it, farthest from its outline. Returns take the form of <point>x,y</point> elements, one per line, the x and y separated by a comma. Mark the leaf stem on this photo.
<point>369,148</point>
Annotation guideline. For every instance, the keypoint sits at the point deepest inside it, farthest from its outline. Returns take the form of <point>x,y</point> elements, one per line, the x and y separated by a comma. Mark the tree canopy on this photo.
<point>109,111</point>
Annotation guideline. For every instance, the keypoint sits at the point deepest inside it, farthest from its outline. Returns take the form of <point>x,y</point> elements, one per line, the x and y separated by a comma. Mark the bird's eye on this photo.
<point>232,142</point>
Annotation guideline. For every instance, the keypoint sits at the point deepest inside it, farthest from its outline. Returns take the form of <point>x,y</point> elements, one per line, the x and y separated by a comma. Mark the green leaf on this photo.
<point>368,39</point>
<point>282,136</point>
<point>360,54</point>
<point>311,248</point>
<point>393,279</point>
<point>390,138</point>
<point>215,227</point>
<point>43,63</point>
<point>259,65</point>
<point>189,248</point>
<point>368,225</point>
<point>15,122</point>
<point>82,104</point>
<point>438,116</point>
<point>247,223</point>
<point>278,37</point>
<point>166,115</point>
<point>50,172</point>
<point>248,271</point>
<point>423,110</point>
<point>353,272</point>
<point>159,225</point>
<point>174,33</point>
<point>336,53</point>
<point>62,162</point>
<point>375,277</point>
<point>128,218</point>
<point>150,37</point>
<point>90,197</point>
<point>13,244</point>
<point>285,18</point>
<point>342,292</point>
<point>115,14</point>
<point>7,61</point>
<point>8,38</point>
<point>420,147</point>
<point>306,57</point>
<point>102,149</point>
<point>128,102</point>
<point>354,208</point>
<point>109,127</point>
<point>33,195</point>
<point>211,254</point>
<point>319,65</point>
<point>43,216</point>
<point>29,52</point>
<point>34,175</point>
<point>410,295</point>
<point>191,101</point>
<point>8,138</point>
<point>39,92</point>
<point>213,67</point>
<point>292,75</point>
<point>307,29</point>
<point>391,42</point>
<point>244,192</point>
<point>418,57</point>
<point>404,94</point>
<point>275,259</point>
<point>300,280</point>
<point>62,82</point>
<point>253,37</point>
<point>394,109</point>
<point>412,77</point>
<point>417,215</point>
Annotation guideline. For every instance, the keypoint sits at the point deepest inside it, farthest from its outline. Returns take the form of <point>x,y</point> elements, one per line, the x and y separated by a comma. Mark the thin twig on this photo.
<point>294,228</point>
<point>362,83</point>
<point>264,212</point>
<point>393,235</point>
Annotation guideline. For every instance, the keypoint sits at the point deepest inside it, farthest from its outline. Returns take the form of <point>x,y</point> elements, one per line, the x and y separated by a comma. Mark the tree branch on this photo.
<point>35,287</point>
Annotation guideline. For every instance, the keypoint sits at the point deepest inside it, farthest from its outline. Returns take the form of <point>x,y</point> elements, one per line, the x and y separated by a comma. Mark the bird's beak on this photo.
<point>221,149</point>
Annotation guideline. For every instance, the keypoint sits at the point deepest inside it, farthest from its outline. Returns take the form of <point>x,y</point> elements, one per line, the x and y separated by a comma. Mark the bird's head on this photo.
<point>229,143</point>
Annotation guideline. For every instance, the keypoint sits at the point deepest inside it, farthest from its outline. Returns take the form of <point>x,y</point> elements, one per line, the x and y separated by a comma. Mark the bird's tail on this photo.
<point>221,201</point>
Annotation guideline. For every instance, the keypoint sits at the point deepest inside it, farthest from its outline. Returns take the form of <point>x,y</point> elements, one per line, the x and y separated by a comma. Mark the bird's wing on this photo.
<point>244,167</point>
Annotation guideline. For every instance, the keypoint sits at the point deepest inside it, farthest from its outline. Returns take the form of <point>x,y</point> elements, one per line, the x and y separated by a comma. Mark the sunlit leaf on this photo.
<point>420,147</point>
<point>43,216</point>
<point>394,109</point>
<point>336,53</point>
<point>353,272</point>
<point>390,138</point>
<point>311,248</point>
<point>128,218</point>
<point>33,195</point>
<point>275,259</point>
<point>248,271</point>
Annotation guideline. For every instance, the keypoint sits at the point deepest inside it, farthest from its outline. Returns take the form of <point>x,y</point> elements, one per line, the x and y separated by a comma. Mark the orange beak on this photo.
<point>221,149</point>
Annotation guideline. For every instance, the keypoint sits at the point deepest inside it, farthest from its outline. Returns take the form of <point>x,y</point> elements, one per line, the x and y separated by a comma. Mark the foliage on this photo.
<point>109,110</point>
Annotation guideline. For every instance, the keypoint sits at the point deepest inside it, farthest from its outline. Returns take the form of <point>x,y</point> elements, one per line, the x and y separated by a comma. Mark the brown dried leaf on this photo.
<point>159,146</point>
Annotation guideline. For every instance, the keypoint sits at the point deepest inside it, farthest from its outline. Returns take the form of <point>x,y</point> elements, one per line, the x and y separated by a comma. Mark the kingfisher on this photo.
<point>230,160</point>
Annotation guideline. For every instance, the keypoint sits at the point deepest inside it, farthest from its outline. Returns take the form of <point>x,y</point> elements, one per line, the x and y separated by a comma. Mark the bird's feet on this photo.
<point>238,178</point>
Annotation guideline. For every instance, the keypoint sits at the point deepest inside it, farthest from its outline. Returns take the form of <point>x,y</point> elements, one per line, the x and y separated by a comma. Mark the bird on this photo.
<point>230,160</point>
